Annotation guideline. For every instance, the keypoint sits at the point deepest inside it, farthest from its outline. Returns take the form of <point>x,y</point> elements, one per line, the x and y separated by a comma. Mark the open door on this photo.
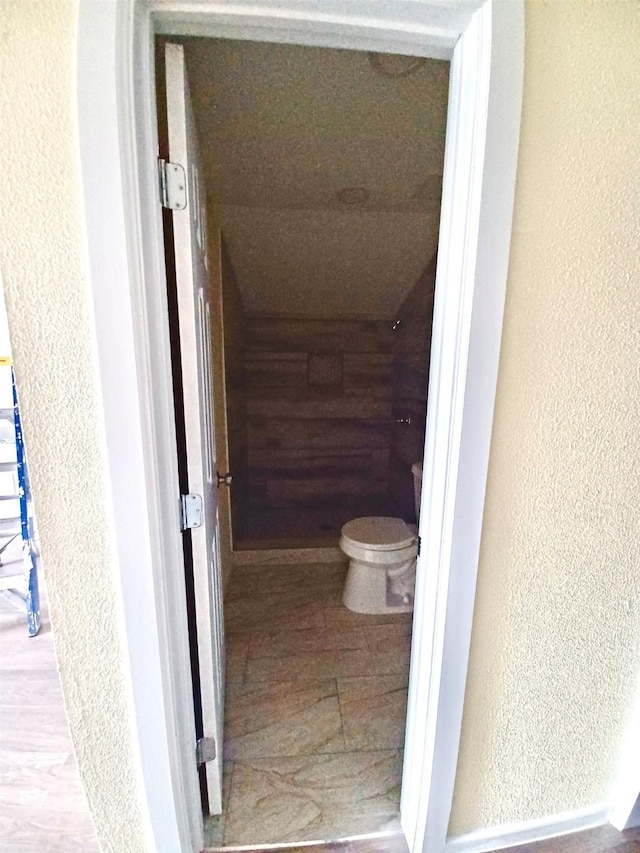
<point>195,294</point>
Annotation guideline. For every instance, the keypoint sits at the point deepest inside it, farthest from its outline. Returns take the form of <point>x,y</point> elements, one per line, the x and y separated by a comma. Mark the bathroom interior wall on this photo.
<point>410,383</point>
<point>288,134</point>
<point>319,409</point>
<point>325,415</point>
<point>554,671</point>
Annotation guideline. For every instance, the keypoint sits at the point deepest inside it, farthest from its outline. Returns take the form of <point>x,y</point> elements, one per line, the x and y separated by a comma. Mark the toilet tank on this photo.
<point>416,470</point>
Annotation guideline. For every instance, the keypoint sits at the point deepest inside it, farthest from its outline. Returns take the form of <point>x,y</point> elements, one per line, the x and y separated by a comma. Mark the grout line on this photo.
<point>342,715</point>
<point>337,678</point>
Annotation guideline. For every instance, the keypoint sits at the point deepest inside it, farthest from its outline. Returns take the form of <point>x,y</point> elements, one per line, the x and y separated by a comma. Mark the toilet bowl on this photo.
<point>382,554</point>
<point>382,561</point>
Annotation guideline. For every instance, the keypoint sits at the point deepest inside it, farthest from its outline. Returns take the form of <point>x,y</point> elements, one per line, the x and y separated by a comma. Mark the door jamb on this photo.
<point>117,141</point>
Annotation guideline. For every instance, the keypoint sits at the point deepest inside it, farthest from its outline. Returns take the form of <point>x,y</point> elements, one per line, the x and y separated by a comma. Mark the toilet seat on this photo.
<point>379,541</point>
<point>378,533</point>
<point>382,554</point>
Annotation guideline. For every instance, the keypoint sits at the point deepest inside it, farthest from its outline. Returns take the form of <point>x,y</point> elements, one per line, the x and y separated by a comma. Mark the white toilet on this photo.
<point>382,567</point>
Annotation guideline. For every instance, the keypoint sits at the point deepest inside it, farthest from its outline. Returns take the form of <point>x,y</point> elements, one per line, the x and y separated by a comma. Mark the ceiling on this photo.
<point>282,130</point>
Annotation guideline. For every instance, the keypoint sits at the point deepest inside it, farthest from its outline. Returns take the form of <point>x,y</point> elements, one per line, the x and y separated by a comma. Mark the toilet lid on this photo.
<point>379,533</point>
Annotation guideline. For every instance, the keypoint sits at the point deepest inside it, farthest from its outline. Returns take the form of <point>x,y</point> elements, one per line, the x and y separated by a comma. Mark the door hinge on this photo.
<point>419,546</point>
<point>173,185</point>
<point>205,750</point>
<point>190,511</point>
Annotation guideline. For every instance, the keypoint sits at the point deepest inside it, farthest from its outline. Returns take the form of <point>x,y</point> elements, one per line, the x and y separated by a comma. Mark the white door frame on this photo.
<point>118,147</point>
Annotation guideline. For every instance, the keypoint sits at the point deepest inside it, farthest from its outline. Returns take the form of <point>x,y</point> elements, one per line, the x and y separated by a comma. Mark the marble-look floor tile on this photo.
<point>389,841</point>
<point>290,718</point>
<point>310,579</point>
<point>339,616</point>
<point>236,652</point>
<point>213,832</point>
<point>316,699</point>
<point>286,567</point>
<point>276,644</point>
<point>313,798</point>
<point>347,824</point>
<point>259,589</point>
<point>286,555</point>
<point>397,632</point>
<point>332,663</point>
<point>214,826</point>
<point>373,711</point>
<point>267,612</point>
<point>390,646</point>
<point>227,782</point>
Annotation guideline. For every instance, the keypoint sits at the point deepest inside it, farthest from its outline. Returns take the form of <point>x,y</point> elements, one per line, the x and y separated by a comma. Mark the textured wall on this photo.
<point>42,257</point>
<point>554,653</point>
<point>555,648</point>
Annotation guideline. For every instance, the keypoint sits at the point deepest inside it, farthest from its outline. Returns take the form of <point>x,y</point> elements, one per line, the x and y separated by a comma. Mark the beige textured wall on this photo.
<point>44,270</point>
<point>554,655</point>
<point>556,642</point>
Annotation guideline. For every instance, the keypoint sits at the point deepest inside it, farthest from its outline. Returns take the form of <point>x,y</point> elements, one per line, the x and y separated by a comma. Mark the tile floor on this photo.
<point>315,710</point>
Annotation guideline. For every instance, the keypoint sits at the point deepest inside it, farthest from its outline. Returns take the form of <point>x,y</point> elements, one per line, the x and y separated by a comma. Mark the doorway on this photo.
<point>325,170</point>
<point>485,43</point>
<point>326,393</point>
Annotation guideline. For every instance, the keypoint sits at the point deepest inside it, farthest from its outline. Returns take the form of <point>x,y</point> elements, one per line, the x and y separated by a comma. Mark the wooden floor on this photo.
<point>42,803</point>
<point>600,840</point>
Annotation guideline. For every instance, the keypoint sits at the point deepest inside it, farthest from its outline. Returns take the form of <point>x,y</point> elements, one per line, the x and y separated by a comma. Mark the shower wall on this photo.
<point>325,416</point>
<point>411,352</point>
<point>319,401</point>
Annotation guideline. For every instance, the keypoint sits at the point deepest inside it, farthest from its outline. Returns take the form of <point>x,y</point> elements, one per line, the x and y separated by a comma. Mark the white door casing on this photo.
<point>195,295</point>
<point>118,143</point>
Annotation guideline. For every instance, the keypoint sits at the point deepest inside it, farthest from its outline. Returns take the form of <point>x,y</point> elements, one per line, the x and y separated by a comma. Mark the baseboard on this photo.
<point>288,556</point>
<point>510,835</point>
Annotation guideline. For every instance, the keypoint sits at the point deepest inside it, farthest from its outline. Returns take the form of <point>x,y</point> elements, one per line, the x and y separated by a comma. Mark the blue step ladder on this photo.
<point>19,587</point>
